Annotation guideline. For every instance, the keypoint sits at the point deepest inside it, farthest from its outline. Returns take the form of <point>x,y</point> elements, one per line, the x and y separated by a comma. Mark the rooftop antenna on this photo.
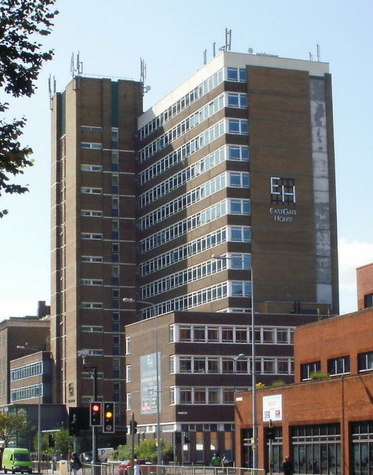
<point>310,56</point>
<point>214,49</point>
<point>79,64</point>
<point>142,70</point>
<point>72,65</point>
<point>76,69</point>
<point>145,89</point>
<point>318,52</point>
<point>205,56</point>
<point>228,39</point>
<point>52,89</point>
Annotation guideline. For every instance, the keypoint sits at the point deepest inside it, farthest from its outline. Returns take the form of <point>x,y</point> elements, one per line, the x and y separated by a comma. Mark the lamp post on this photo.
<point>26,347</point>
<point>158,408</point>
<point>253,375</point>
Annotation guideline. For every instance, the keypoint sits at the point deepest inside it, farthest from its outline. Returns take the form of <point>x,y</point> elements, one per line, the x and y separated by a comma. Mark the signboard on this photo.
<point>148,383</point>
<point>272,408</point>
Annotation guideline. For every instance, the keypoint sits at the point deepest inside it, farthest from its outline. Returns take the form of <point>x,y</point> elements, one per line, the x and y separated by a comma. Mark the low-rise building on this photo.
<point>324,421</point>
<point>203,359</point>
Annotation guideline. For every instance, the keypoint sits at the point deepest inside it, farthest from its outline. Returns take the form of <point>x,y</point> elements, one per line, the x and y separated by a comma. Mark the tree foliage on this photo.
<point>12,425</point>
<point>22,22</point>
<point>146,449</point>
<point>63,443</point>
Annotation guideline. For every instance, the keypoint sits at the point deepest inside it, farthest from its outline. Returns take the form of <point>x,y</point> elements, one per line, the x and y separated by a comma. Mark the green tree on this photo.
<point>12,425</point>
<point>21,58</point>
<point>63,443</point>
<point>146,449</point>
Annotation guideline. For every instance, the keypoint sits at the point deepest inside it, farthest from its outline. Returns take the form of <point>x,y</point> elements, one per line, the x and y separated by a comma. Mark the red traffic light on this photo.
<point>95,409</point>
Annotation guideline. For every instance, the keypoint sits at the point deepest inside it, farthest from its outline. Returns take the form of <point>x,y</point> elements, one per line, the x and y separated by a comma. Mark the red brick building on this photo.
<point>325,420</point>
<point>364,275</point>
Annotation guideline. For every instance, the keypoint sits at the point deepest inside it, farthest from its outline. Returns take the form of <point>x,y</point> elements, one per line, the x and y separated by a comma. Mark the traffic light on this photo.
<point>133,426</point>
<point>109,419</point>
<point>270,433</point>
<point>78,419</point>
<point>95,410</point>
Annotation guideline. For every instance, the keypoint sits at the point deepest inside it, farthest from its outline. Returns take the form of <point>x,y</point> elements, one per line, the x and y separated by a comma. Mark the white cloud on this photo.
<point>351,254</point>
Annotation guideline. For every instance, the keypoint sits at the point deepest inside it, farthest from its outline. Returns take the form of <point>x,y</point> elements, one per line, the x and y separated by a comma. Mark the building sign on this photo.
<point>272,408</point>
<point>148,383</point>
<point>283,197</point>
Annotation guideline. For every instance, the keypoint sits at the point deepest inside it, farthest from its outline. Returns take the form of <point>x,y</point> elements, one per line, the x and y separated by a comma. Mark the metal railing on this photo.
<point>112,469</point>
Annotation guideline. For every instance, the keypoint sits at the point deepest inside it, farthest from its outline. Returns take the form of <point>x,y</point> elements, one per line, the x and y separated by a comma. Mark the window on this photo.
<point>213,365</point>
<point>91,259</point>
<point>184,334</point>
<point>91,305</point>
<point>185,365</point>
<point>91,145</point>
<point>365,361</point>
<point>185,396</point>
<point>128,373</point>
<point>282,336</point>
<point>213,395</point>
<point>129,401</point>
<point>199,365</point>
<point>368,300</point>
<point>308,368</point>
<point>91,236</point>
<point>241,335</point>
<point>91,191</point>
<point>91,128</point>
<point>339,365</point>
<point>91,168</point>
<point>268,335</point>
<point>212,334</point>
<point>238,126</point>
<point>200,396</point>
<point>91,213</point>
<point>227,334</point>
<point>92,328</point>
<point>199,333</point>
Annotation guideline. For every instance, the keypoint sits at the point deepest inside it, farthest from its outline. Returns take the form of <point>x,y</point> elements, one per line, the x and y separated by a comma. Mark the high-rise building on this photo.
<point>237,162</point>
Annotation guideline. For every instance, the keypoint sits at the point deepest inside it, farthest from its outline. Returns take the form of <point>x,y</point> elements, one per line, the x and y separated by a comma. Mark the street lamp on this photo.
<point>27,347</point>
<point>253,355</point>
<point>159,445</point>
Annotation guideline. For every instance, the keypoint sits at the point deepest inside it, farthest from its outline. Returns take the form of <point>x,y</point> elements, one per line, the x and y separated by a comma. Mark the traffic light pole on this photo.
<point>132,425</point>
<point>94,435</point>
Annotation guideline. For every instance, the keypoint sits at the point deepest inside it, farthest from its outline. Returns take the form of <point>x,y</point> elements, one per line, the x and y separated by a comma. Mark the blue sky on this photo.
<point>171,36</point>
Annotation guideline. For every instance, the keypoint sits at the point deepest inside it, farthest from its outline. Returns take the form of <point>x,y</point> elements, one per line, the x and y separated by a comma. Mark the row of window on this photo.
<point>228,74</point>
<point>339,365</point>
<point>230,99</point>
<point>230,179</point>
<point>225,126</point>
<point>229,365</point>
<point>178,254</point>
<point>191,274</point>
<point>230,334</point>
<point>178,229</point>
<point>28,392</point>
<point>228,152</point>
<point>26,371</point>
<point>200,297</point>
